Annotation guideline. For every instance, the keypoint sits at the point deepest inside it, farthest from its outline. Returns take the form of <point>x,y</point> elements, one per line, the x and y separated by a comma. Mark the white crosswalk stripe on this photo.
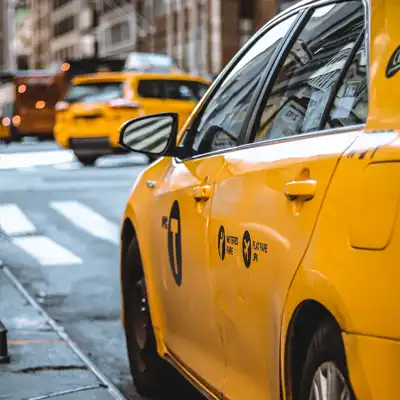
<point>46,251</point>
<point>87,219</point>
<point>33,159</point>
<point>22,232</point>
<point>14,222</point>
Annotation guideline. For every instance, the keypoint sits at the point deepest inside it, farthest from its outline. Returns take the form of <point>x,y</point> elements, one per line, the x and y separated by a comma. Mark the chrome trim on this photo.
<point>307,135</point>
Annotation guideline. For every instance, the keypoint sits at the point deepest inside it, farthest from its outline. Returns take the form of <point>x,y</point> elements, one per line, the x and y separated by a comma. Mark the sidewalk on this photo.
<point>44,363</point>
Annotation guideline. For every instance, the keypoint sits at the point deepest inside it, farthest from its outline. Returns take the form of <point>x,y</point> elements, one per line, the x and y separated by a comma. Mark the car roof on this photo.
<point>121,76</point>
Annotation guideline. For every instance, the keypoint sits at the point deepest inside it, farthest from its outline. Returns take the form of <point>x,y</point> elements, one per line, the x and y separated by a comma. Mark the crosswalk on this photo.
<point>18,228</point>
<point>60,159</point>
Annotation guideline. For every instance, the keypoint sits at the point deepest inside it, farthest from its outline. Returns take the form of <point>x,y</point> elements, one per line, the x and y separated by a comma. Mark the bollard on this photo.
<point>4,357</point>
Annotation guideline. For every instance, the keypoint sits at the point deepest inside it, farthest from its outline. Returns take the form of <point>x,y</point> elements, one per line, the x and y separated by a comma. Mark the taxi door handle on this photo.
<point>202,193</point>
<point>304,190</point>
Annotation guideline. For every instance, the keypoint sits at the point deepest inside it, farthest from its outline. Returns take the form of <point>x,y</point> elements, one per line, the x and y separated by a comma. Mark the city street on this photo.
<point>60,237</point>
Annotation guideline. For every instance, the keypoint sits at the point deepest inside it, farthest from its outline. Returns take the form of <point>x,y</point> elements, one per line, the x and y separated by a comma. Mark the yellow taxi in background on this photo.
<point>88,118</point>
<point>5,135</point>
<point>260,254</point>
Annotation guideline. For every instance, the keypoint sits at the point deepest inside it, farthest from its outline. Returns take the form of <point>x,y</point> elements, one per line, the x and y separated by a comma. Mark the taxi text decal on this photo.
<point>175,242</point>
<point>394,64</point>
<point>251,249</point>
<point>226,244</point>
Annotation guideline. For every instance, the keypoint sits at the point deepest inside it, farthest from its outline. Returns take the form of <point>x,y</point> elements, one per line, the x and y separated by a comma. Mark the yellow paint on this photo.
<point>322,215</point>
<point>111,119</point>
<point>5,129</point>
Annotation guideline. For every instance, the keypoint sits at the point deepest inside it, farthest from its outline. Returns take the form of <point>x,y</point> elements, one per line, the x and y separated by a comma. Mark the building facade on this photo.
<point>73,34</point>
<point>201,35</point>
<point>62,29</point>
<point>7,51</point>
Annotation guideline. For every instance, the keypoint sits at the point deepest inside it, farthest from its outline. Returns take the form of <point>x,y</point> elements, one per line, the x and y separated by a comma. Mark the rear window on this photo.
<point>94,92</point>
<point>172,89</point>
<point>29,94</point>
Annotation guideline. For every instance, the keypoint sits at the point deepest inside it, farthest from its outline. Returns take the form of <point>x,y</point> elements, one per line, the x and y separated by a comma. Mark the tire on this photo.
<point>325,355</point>
<point>15,135</point>
<point>151,159</point>
<point>86,160</point>
<point>152,375</point>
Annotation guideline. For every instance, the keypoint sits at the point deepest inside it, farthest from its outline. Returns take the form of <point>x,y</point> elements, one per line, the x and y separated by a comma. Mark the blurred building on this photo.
<point>117,29</point>
<point>7,56</point>
<point>41,39</point>
<point>23,35</point>
<point>63,29</point>
<point>202,35</point>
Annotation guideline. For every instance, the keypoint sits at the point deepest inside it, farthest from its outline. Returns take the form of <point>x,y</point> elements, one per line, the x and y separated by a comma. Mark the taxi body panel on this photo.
<point>340,250</point>
<point>4,131</point>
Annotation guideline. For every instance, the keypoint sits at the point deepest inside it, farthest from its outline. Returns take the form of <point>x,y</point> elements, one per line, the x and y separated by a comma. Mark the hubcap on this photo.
<point>329,384</point>
<point>141,314</point>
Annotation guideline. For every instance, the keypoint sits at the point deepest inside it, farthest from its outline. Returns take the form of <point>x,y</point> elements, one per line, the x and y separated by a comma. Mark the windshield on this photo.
<point>97,92</point>
<point>172,89</point>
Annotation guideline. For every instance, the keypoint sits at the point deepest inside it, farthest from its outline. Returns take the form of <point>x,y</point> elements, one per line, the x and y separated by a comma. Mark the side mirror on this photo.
<point>153,135</point>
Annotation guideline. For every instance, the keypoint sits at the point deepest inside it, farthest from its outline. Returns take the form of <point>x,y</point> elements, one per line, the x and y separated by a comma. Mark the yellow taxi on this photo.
<point>4,129</point>
<point>260,255</point>
<point>87,119</point>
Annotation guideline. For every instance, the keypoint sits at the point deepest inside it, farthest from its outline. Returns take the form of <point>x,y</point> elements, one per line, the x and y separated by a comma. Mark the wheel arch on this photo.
<point>129,232</point>
<point>311,299</point>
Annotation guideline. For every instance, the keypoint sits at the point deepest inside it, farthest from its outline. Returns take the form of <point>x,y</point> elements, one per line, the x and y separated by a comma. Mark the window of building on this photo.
<point>310,71</point>
<point>59,3</point>
<point>119,32</point>
<point>64,26</point>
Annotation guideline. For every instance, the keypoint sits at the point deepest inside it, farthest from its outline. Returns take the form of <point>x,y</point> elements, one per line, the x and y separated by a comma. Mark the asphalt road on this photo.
<point>59,230</point>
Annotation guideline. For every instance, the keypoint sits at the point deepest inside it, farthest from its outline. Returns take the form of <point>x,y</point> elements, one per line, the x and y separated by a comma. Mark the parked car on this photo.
<point>260,254</point>
<point>95,106</point>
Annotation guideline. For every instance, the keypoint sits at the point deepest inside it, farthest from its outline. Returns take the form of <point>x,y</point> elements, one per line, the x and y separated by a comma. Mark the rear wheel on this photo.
<point>325,375</point>
<point>151,374</point>
<point>86,160</point>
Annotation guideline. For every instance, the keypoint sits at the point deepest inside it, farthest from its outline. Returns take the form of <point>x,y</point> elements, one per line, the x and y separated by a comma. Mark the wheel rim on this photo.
<point>329,384</point>
<point>141,314</point>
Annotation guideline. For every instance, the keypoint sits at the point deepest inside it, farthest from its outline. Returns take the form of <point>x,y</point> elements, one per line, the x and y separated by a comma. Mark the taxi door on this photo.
<point>184,200</point>
<point>179,227</point>
<point>267,198</point>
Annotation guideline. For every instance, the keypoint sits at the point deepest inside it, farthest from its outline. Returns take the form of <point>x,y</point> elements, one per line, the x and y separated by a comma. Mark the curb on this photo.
<point>112,390</point>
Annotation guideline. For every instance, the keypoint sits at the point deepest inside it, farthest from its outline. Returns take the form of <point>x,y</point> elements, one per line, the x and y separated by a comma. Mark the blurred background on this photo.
<point>201,35</point>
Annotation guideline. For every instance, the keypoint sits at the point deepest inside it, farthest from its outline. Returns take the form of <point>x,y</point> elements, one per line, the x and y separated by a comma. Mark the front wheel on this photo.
<point>325,375</point>
<point>150,373</point>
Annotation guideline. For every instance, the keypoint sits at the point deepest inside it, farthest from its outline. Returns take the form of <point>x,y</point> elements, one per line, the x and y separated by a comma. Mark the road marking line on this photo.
<point>31,159</point>
<point>88,220</point>
<point>13,221</point>
<point>46,251</point>
<point>33,341</point>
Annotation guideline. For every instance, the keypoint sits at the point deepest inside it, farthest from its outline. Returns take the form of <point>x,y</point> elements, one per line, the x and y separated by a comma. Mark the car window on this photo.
<point>94,92</point>
<point>351,102</point>
<point>221,120</point>
<point>172,89</point>
<point>310,71</point>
